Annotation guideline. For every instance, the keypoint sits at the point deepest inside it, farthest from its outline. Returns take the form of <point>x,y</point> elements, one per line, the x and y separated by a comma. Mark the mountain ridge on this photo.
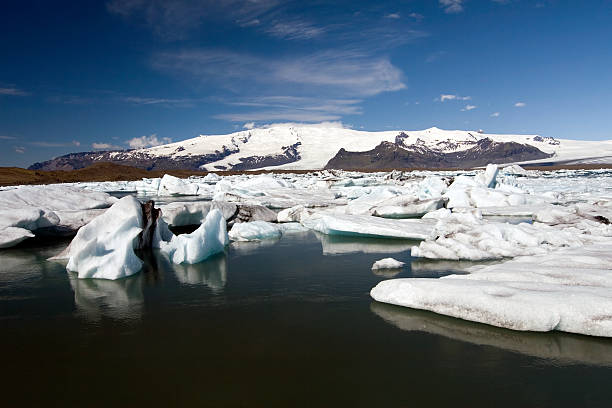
<point>301,147</point>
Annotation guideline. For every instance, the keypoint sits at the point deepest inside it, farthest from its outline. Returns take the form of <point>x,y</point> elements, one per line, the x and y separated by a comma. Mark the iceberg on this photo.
<point>387,263</point>
<point>210,238</point>
<point>104,248</point>
<point>467,236</point>
<point>185,213</point>
<point>172,186</point>
<point>11,236</point>
<point>566,290</point>
<point>254,231</point>
<point>260,230</point>
<point>369,226</point>
<point>26,209</point>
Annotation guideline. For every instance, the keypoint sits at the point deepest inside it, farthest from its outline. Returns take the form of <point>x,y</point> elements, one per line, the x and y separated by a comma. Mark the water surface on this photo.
<point>277,323</point>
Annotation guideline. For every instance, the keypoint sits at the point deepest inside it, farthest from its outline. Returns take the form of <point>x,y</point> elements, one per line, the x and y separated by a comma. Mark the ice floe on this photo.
<point>104,248</point>
<point>369,226</point>
<point>387,263</point>
<point>210,238</point>
<point>260,230</point>
<point>567,290</point>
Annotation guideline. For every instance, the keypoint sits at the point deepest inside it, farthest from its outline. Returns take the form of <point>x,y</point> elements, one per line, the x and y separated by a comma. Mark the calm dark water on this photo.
<point>283,323</point>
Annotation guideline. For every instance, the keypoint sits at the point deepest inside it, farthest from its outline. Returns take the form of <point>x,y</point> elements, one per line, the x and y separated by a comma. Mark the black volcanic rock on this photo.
<point>389,155</point>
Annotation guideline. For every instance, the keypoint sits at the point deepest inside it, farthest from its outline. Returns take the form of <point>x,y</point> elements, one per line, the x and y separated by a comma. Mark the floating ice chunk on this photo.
<point>185,213</point>
<point>210,238</point>
<point>260,230</point>
<point>387,263</point>
<point>368,226</point>
<point>254,231</point>
<point>211,178</point>
<point>567,290</point>
<point>262,183</point>
<point>407,207</point>
<point>466,236</point>
<point>104,248</point>
<point>75,219</point>
<point>293,214</point>
<point>431,187</point>
<point>28,218</point>
<point>147,186</point>
<point>11,236</point>
<point>515,169</point>
<point>438,214</point>
<point>170,185</point>
<point>229,210</point>
<point>54,197</point>
<point>488,177</point>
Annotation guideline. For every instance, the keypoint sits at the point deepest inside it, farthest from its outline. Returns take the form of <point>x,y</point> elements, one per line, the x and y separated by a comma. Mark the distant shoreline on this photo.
<point>12,176</point>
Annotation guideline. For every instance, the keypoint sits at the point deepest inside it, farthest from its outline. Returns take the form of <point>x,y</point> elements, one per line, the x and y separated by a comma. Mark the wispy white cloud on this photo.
<point>495,115</point>
<point>272,115</point>
<point>393,15</point>
<point>469,108</point>
<point>174,19</point>
<point>13,92</point>
<point>346,72</point>
<point>452,97</point>
<point>452,6</point>
<point>249,125</point>
<point>148,141</point>
<point>181,102</point>
<point>104,146</point>
<point>303,109</point>
<point>434,56</point>
<point>20,149</point>
<point>520,104</point>
<point>416,16</point>
<point>7,138</point>
<point>294,30</point>
<point>53,144</point>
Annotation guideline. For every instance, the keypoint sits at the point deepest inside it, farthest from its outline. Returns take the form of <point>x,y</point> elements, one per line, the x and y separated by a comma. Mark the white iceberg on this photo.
<point>261,230</point>
<point>104,248</point>
<point>171,186</point>
<point>210,238</point>
<point>185,213</point>
<point>567,290</point>
<point>387,263</point>
<point>369,226</point>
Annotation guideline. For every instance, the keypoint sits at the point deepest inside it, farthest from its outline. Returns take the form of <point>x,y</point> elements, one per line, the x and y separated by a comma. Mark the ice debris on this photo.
<point>104,248</point>
<point>567,290</point>
<point>387,263</point>
<point>210,238</point>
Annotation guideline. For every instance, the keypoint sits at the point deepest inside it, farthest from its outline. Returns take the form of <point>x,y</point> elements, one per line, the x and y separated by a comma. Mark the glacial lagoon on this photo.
<point>286,322</point>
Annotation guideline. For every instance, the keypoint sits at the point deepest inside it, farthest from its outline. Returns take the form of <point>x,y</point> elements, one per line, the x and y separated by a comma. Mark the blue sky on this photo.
<point>80,76</point>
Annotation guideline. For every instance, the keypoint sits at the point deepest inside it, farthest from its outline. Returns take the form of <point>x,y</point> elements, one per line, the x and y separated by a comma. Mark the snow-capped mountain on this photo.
<point>313,146</point>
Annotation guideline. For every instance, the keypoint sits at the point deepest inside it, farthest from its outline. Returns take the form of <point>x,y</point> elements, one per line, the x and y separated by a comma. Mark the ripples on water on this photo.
<point>275,323</point>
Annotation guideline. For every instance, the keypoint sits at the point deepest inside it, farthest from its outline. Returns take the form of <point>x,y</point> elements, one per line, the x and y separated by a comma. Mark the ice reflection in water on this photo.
<point>563,348</point>
<point>340,245</point>
<point>211,272</point>
<point>117,299</point>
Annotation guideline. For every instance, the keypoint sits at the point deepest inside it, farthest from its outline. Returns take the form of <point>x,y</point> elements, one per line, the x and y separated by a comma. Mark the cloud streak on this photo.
<point>300,109</point>
<point>452,6</point>
<point>343,72</point>
<point>13,92</point>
